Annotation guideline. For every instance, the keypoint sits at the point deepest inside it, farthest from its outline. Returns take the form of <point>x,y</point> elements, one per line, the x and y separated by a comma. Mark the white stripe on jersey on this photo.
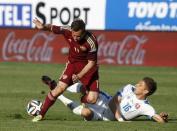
<point>91,43</point>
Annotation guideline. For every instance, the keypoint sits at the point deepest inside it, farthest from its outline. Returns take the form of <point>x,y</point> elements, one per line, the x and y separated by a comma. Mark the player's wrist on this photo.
<point>79,76</point>
<point>46,27</point>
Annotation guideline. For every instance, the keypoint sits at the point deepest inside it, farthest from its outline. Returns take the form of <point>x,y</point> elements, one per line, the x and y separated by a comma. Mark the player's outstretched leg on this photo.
<point>75,88</point>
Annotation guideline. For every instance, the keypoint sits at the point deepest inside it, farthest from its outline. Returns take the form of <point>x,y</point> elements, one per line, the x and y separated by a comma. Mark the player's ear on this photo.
<point>146,92</point>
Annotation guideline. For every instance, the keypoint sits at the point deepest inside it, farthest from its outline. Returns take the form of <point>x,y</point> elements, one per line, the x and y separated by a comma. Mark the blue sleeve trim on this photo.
<point>133,89</point>
<point>119,94</point>
<point>149,117</point>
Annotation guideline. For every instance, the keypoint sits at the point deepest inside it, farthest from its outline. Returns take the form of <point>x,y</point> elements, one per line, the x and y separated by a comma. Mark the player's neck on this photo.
<point>141,97</point>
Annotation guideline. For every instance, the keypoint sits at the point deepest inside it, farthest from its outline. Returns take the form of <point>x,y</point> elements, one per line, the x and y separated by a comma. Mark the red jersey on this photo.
<point>76,52</point>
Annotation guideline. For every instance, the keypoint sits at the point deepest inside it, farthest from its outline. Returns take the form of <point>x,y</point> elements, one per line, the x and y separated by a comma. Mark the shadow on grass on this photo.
<point>171,120</point>
<point>62,119</point>
<point>20,116</point>
<point>16,116</point>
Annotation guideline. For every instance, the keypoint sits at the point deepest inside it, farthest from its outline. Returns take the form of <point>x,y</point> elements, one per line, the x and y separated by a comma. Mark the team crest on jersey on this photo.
<point>137,105</point>
<point>64,76</point>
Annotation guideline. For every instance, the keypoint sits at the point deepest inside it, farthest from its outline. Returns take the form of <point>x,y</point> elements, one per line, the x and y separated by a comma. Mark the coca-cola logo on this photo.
<point>128,51</point>
<point>35,49</point>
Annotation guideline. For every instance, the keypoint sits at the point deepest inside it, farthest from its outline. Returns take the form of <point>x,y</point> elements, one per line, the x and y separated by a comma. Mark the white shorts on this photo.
<point>101,109</point>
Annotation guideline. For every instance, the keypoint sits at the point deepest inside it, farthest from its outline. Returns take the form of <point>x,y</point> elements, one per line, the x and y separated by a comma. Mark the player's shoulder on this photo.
<point>91,42</point>
<point>67,28</point>
<point>90,37</point>
<point>129,87</point>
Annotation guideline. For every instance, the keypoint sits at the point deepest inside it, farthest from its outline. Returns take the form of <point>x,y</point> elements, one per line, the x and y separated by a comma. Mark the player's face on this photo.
<point>76,35</point>
<point>141,88</point>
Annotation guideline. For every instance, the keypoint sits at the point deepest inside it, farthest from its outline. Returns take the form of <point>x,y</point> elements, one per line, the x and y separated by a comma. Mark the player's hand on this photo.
<point>75,78</point>
<point>38,24</point>
<point>164,116</point>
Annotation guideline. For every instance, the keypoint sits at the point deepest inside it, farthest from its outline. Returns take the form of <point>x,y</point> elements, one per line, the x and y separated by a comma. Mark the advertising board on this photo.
<point>152,15</point>
<point>116,48</point>
<point>20,14</point>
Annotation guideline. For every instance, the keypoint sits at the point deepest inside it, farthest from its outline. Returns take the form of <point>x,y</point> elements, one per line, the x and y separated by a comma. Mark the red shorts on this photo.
<point>89,80</point>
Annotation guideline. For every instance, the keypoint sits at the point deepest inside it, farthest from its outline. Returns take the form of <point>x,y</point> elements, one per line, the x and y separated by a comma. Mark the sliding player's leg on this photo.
<point>76,108</point>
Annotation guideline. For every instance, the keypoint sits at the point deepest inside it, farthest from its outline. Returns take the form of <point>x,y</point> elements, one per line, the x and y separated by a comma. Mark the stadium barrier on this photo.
<point>115,47</point>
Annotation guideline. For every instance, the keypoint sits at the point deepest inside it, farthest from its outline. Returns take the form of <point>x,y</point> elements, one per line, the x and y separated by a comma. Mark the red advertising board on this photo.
<point>138,48</point>
<point>32,46</point>
<point>115,47</point>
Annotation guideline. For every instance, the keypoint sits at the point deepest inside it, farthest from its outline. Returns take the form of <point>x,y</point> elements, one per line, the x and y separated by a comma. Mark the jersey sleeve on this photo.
<point>61,30</point>
<point>92,47</point>
<point>148,111</point>
<point>92,56</point>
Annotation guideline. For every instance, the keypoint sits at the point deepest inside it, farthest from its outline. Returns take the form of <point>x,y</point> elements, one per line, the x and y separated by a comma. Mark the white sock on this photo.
<point>64,100</point>
<point>75,88</point>
<point>76,108</point>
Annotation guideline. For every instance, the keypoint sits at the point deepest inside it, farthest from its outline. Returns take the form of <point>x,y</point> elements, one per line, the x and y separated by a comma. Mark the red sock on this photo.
<point>83,89</point>
<point>49,101</point>
<point>84,99</point>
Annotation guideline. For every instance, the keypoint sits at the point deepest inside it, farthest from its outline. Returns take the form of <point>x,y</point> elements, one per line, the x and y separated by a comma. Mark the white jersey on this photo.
<point>131,107</point>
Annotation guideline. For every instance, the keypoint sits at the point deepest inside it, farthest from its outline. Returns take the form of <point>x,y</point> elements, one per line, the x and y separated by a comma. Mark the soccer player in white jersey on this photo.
<point>127,104</point>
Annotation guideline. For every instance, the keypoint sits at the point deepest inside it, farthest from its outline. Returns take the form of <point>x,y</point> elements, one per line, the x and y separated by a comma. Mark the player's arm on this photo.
<point>47,27</point>
<point>161,118</point>
<point>39,25</point>
<point>91,57</point>
<point>87,67</point>
<point>114,105</point>
<point>149,111</point>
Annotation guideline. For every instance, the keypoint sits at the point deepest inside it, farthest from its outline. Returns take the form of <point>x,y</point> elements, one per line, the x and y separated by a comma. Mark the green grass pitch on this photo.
<point>20,82</point>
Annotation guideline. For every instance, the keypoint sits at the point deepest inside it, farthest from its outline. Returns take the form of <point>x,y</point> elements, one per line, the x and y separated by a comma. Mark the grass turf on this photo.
<point>20,82</point>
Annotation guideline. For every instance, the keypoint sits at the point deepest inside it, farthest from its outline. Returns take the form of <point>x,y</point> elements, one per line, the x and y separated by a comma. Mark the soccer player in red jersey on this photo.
<point>81,66</point>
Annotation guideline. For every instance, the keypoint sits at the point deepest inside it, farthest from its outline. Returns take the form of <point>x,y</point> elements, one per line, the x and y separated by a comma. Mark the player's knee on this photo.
<point>91,99</point>
<point>61,87</point>
<point>87,114</point>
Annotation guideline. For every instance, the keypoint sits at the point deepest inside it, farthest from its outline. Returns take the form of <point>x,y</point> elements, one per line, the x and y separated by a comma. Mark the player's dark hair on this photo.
<point>78,24</point>
<point>151,84</point>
